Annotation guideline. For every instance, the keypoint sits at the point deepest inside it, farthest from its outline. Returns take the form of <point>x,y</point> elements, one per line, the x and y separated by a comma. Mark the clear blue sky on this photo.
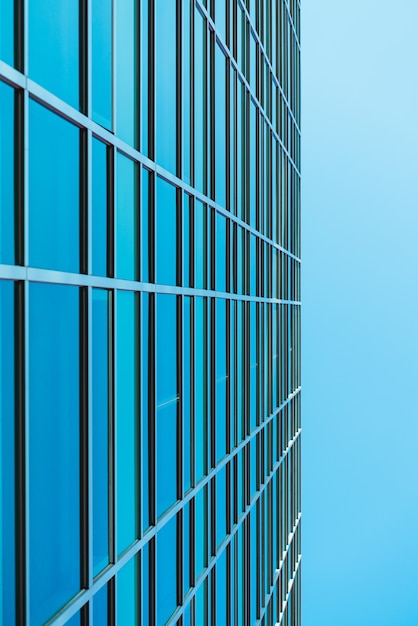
<point>360,312</point>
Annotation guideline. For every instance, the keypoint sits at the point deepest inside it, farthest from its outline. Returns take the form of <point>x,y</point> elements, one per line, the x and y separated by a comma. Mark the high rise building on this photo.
<point>150,312</point>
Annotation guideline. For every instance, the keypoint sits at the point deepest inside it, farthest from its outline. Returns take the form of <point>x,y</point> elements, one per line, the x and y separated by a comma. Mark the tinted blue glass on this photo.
<point>126,70</point>
<point>200,388</point>
<point>75,620</point>
<point>221,586</point>
<point>100,610</point>
<point>220,125</point>
<point>145,584</point>
<point>166,571</point>
<point>253,365</point>
<point>7,446</point>
<point>54,47</point>
<point>187,204</point>
<point>126,418</point>
<point>99,208</point>
<point>200,101</point>
<point>187,304</point>
<point>200,244</point>
<point>220,257</point>
<point>54,191</point>
<point>253,264</point>
<point>144,25</point>
<point>126,219</point>
<point>220,506</point>
<point>102,62</point>
<point>221,378</point>
<point>146,181</point>
<point>7,32</point>
<point>54,448</point>
<point>127,594</point>
<point>186,93</point>
<point>166,230</point>
<point>166,456</point>
<point>7,196</point>
<point>166,337</point>
<point>186,549</point>
<point>144,406</point>
<point>253,164</point>
<point>165,83</point>
<point>200,531</point>
<point>100,390</point>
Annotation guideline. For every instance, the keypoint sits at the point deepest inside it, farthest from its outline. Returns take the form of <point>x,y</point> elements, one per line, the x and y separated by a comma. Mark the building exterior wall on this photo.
<point>150,312</point>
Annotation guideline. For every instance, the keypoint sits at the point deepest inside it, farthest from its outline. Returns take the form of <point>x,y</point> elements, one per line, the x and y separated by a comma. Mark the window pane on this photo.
<point>54,448</point>
<point>99,209</point>
<point>146,180</point>
<point>166,56</point>
<point>166,233</point>
<point>127,594</point>
<point>167,401</point>
<point>102,61</point>
<point>220,256</point>
<point>100,391</point>
<point>7,446</point>
<point>126,418</point>
<point>126,69</point>
<point>7,196</point>
<point>166,571</point>
<point>7,31</point>
<point>54,181</point>
<point>100,610</point>
<point>145,367</point>
<point>200,101</point>
<point>220,126</point>
<point>54,47</point>
<point>126,218</point>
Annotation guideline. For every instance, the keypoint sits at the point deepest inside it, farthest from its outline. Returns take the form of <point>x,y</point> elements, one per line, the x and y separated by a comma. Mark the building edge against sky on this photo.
<point>150,312</point>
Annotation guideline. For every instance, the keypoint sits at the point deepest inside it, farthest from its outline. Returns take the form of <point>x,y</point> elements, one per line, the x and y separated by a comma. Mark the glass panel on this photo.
<point>7,193</point>
<point>200,388</point>
<point>221,587</point>
<point>187,443</point>
<point>165,83</point>
<point>146,181</point>
<point>221,378</point>
<point>166,571</point>
<point>127,594</point>
<point>253,163</point>
<point>126,70</point>
<point>145,367</point>
<point>145,584</point>
<point>126,418</point>
<point>166,233</point>
<point>187,204</point>
<point>200,101</point>
<point>186,549</point>
<point>100,391</point>
<point>54,48</point>
<point>7,447</point>
<point>146,130</point>
<point>54,181</point>
<point>99,209</point>
<point>167,401</point>
<point>74,621</point>
<point>220,256</point>
<point>186,94</point>
<point>102,62</point>
<point>54,448</point>
<point>7,31</point>
<point>100,610</point>
<point>126,218</point>
<point>200,244</point>
<point>220,125</point>
<point>220,506</point>
<point>201,531</point>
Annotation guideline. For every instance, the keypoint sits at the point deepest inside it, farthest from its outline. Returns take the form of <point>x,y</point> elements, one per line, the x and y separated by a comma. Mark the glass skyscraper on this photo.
<point>150,312</point>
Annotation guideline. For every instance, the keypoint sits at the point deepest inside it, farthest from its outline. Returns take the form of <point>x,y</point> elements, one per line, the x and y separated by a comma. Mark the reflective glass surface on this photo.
<point>7,447</point>
<point>165,83</point>
<point>126,218</point>
<point>99,208</point>
<point>7,31</point>
<point>54,47</point>
<point>54,448</point>
<point>166,571</point>
<point>126,418</point>
<point>127,594</point>
<point>7,187</point>
<point>54,191</point>
<point>102,62</point>
<point>126,70</point>
<point>100,393</point>
<point>166,218</point>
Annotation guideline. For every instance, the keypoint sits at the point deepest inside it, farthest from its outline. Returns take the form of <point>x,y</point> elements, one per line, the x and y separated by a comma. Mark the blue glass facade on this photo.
<point>150,312</point>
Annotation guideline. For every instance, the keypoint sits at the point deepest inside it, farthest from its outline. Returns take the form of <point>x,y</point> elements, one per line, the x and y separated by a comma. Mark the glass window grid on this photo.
<point>283,298</point>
